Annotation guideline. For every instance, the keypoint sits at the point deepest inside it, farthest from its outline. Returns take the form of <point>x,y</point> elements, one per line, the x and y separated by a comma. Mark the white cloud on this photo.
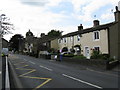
<point>107,16</point>
<point>78,4</point>
<point>25,17</point>
<point>54,2</point>
<point>39,19</point>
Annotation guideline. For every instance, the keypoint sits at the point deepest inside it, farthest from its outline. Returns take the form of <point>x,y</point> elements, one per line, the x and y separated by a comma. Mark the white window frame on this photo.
<point>59,40</point>
<point>97,46</point>
<point>94,36</point>
<point>65,40</point>
<point>71,38</point>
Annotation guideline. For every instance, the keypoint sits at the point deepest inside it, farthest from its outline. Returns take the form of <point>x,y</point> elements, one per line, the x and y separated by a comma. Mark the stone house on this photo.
<point>48,42</point>
<point>5,43</point>
<point>104,38</point>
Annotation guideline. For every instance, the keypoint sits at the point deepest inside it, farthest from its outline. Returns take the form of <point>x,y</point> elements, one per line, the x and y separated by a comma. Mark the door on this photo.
<point>87,52</point>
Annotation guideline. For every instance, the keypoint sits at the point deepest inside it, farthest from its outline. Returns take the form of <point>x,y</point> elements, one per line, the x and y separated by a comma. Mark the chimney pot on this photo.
<point>80,27</point>
<point>42,34</point>
<point>117,14</point>
<point>96,22</point>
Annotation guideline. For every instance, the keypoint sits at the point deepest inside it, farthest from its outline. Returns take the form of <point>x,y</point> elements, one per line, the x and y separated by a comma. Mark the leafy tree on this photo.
<point>15,41</point>
<point>5,25</point>
<point>55,33</point>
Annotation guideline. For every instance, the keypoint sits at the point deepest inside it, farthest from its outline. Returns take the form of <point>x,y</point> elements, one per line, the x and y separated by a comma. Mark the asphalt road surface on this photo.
<point>40,73</point>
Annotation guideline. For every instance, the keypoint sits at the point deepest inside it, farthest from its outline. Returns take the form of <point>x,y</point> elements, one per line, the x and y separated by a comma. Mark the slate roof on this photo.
<point>87,30</point>
<point>46,39</point>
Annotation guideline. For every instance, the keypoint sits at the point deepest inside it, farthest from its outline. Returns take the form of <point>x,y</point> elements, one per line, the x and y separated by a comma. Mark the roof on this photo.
<point>46,39</point>
<point>87,30</point>
<point>4,40</point>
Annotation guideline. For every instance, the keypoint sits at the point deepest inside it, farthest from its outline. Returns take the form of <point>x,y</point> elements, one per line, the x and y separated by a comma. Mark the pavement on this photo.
<point>40,73</point>
<point>0,72</point>
<point>117,68</point>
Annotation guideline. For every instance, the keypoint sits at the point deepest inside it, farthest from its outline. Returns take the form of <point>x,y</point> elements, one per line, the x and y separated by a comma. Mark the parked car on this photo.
<point>5,51</point>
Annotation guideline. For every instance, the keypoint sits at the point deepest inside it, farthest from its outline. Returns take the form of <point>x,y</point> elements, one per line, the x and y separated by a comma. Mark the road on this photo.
<point>40,73</point>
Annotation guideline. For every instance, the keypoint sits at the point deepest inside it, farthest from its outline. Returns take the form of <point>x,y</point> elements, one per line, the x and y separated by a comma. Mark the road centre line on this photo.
<point>82,81</point>
<point>0,72</point>
<point>46,68</point>
<point>31,62</point>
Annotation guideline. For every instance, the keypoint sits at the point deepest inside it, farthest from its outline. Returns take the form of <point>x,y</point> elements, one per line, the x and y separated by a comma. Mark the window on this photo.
<point>65,40</point>
<point>71,38</point>
<point>97,49</point>
<point>78,38</point>
<point>96,35</point>
<point>59,40</point>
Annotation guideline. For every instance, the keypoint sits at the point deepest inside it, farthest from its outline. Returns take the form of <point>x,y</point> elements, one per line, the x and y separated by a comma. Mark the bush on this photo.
<point>51,50</point>
<point>111,59</point>
<point>98,55</point>
<point>95,55</point>
<point>105,56</point>
<point>68,55</point>
<point>79,57</point>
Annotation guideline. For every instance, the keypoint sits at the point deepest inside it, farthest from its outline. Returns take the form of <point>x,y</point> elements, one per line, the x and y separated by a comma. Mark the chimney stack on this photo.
<point>96,23</point>
<point>117,14</point>
<point>42,34</point>
<point>80,27</point>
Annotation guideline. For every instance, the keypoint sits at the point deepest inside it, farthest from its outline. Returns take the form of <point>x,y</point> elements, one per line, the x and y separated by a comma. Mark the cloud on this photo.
<point>25,17</point>
<point>35,2</point>
<point>108,16</point>
<point>37,15</point>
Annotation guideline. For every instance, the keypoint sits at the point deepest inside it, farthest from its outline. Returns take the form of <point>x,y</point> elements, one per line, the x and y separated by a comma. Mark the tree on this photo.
<point>15,41</point>
<point>5,25</point>
<point>55,33</point>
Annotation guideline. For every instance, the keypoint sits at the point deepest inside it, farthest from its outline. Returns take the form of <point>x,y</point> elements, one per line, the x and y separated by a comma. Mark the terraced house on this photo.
<point>104,38</point>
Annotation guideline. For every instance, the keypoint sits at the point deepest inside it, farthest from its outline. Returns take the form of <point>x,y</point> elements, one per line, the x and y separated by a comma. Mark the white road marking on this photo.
<point>82,81</point>
<point>0,72</point>
<point>46,68</point>
<point>32,62</point>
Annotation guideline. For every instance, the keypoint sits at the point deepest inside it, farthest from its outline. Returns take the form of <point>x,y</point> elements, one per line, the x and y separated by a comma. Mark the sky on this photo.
<point>41,16</point>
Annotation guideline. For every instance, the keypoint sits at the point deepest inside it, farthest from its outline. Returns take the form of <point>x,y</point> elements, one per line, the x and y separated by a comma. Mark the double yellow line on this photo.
<point>25,75</point>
